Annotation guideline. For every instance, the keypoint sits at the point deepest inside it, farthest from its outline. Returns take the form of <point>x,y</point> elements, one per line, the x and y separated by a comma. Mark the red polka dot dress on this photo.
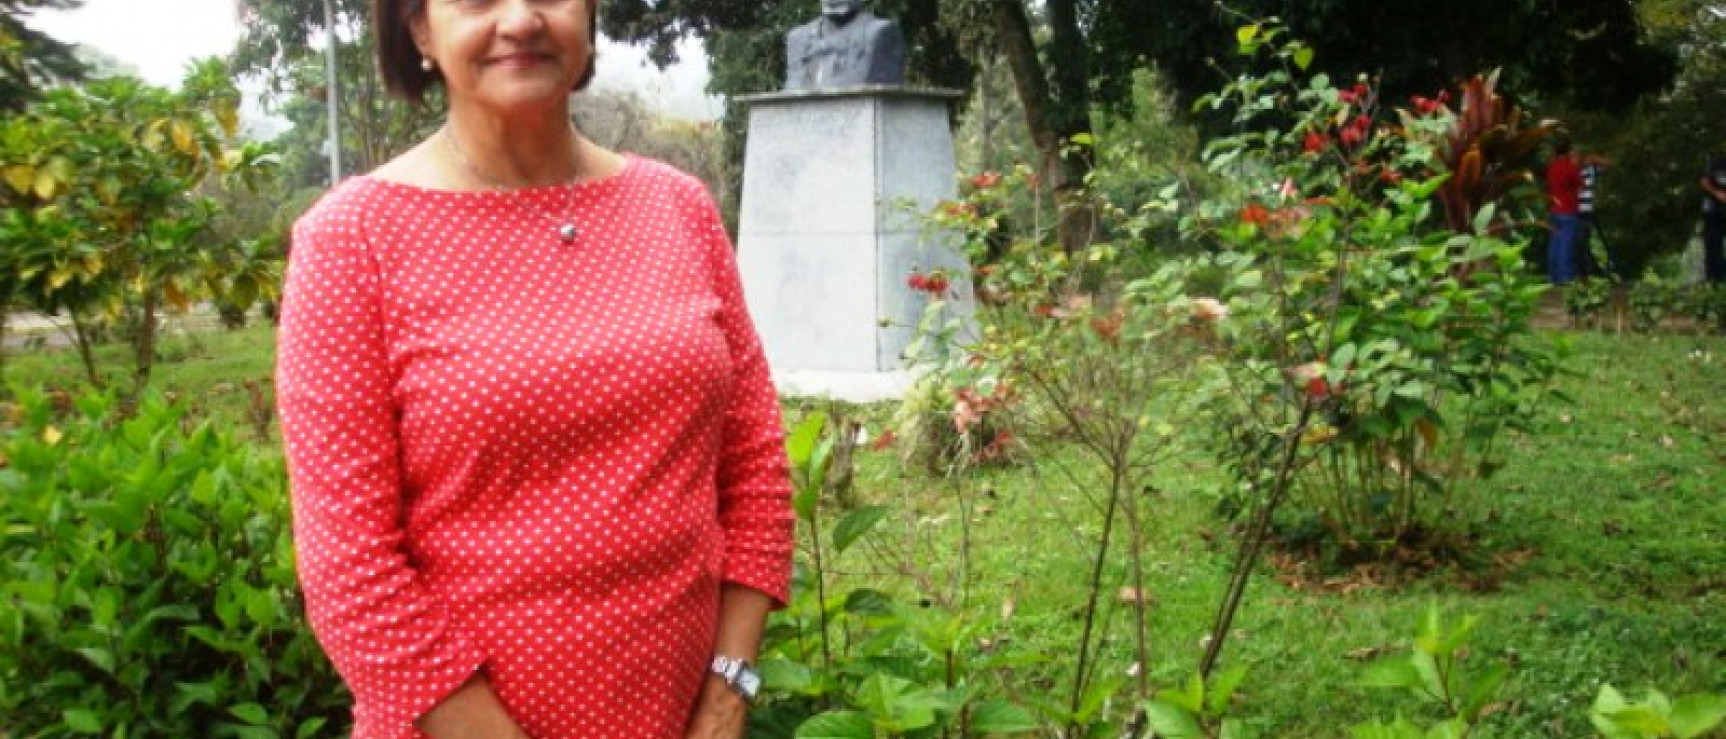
<point>536,458</point>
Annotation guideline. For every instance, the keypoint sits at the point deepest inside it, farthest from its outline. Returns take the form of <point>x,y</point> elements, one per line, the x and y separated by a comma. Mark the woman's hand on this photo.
<point>471,712</point>
<point>720,713</point>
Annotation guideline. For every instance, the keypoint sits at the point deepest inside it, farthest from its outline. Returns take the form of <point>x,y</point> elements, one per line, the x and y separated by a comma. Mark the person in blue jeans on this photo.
<point>1563,198</point>
<point>1714,218</point>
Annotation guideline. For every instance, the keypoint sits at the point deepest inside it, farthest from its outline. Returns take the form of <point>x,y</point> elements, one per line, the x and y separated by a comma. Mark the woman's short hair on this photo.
<point>399,58</point>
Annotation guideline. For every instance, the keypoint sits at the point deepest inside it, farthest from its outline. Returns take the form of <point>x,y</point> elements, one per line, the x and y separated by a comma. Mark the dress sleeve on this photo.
<point>393,642</point>
<point>754,477</point>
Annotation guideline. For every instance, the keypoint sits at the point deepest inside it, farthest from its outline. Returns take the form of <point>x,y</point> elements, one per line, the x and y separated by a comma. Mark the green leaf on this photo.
<point>1303,57</point>
<point>309,728</point>
<point>1223,689</point>
<point>855,524</point>
<point>1640,720</point>
<point>803,502</point>
<point>785,676</point>
<point>997,716</point>
<point>800,443</point>
<point>250,713</point>
<point>1172,721</point>
<point>1453,729</point>
<point>1693,715</point>
<point>1396,672</point>
<point>868,601</point>
<point>1245,34</point>
<point>99,657</point>
<point>82,720</point>
<point>837,725</point>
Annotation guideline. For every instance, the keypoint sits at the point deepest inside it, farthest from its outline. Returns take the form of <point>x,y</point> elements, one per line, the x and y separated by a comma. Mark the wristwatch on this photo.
<point>738,674</point>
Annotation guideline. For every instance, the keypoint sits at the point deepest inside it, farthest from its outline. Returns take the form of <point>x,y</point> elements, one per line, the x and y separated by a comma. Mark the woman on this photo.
<point>537,467</point>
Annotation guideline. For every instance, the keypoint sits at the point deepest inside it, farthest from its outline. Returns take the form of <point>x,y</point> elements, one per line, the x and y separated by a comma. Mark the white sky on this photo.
<point>158,37</point>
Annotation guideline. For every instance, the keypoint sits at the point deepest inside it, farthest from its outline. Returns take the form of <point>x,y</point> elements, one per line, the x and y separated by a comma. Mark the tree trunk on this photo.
<point>1056,113</point>
<point>145,355</point>
<point>81,337</point>
<point>4,314</point>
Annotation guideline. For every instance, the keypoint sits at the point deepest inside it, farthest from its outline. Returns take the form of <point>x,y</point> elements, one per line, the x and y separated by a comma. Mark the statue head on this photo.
<point>841,11</point>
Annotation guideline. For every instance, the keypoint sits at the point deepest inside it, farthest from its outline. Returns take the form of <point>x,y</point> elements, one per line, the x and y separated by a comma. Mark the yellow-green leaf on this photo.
<point>228,117</point>
<point>1303,57</point>
<point>46,184</point>
<point>183,141</point>
<point>1246,34</point>
<point>21,177</point>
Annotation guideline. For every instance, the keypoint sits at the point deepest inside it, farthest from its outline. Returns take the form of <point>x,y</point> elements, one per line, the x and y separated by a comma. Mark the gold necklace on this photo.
<point>566,228</point>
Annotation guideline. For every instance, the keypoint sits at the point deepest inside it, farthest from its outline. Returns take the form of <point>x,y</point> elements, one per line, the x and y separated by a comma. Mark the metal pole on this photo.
<point>335,142</point>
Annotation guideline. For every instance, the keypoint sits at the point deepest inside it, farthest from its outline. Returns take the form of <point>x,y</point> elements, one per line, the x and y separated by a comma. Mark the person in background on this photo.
<point>536,461</point>
<point>1714,218</point>
<point>1563,193</point>
<point>1593,165</point>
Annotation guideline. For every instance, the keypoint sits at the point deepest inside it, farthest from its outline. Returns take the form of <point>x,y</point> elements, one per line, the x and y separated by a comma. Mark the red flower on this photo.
<point>1424,105</point>
<point>986,180</point>
<point>1315,142</point>
<point>955,210</point>
<point>1390,176</point>
<point>1255,214</point>
<point>934,283</point>
<point>1356,130</point>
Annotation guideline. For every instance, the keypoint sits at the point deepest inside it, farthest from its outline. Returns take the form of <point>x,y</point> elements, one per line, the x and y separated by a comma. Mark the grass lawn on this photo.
<point>1603,549</point>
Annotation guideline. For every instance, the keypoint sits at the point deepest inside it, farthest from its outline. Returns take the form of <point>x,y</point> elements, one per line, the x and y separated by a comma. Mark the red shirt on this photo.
<point>1563,186</point>
<point>536,457</point>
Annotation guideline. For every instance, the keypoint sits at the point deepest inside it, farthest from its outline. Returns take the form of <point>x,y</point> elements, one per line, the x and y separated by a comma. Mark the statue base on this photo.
<point>835,187</point>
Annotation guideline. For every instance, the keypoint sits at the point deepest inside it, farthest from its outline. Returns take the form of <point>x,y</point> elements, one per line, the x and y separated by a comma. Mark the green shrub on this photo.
<point>856,662</point>
<point>148,582</point>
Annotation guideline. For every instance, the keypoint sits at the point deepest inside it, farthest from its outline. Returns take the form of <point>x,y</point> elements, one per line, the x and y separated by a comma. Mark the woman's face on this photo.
<point>506,54</point>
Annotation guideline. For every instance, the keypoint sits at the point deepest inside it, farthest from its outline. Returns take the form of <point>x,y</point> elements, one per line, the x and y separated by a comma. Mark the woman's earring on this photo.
<point>427,64</point>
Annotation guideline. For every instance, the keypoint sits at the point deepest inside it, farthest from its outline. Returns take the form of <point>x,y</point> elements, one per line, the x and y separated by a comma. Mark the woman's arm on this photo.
<point>720,712</point>
<point>754,486</point>
<point>394,643</point>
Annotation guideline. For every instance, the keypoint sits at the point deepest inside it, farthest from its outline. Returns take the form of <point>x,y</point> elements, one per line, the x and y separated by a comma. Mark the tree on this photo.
<point>1593,54</point>
<point>30,59</point>
<point>100,219</point>
<point>283,43</point>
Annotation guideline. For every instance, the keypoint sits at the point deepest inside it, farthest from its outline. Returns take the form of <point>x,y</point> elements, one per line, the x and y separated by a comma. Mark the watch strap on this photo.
<point>738,674</point>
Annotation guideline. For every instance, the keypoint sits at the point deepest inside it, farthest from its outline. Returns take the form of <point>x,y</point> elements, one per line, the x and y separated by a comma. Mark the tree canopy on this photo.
<point>30,59</point>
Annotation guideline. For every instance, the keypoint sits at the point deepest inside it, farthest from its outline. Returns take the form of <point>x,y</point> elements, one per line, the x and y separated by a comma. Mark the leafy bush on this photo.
<point>1395,344</point>
<point>853,663</point>
<point>148,582</point>
<point>1587,300</point>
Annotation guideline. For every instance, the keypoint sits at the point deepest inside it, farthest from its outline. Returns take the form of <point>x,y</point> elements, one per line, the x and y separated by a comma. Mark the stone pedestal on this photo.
<point>835,183</point>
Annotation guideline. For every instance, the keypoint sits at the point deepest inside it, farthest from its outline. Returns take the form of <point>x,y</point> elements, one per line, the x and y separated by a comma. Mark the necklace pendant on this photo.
<point>567,232</point>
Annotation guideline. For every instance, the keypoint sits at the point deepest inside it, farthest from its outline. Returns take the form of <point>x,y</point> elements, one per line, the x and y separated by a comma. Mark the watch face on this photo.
<point>748,682</point>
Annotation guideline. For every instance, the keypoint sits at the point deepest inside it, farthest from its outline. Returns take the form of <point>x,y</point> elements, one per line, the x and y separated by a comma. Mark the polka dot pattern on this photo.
<point>533,458</point>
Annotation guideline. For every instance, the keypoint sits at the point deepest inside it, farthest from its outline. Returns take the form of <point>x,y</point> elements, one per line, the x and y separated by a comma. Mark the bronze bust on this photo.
<point>847,46</point>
